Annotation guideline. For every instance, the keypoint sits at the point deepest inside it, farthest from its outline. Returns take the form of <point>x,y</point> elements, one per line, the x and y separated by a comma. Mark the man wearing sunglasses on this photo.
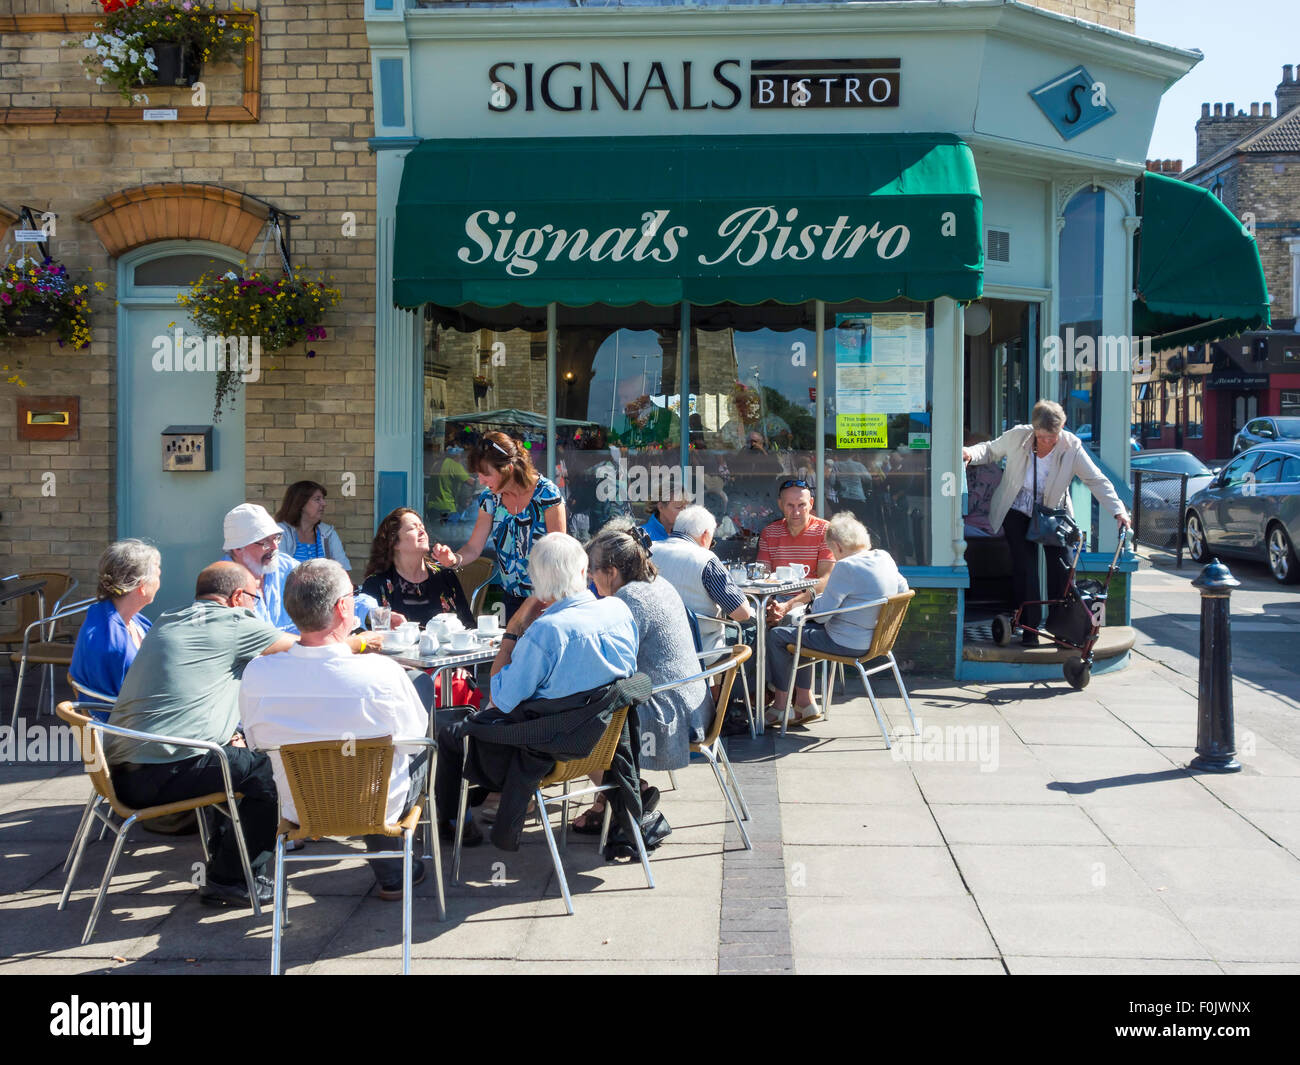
<point>797,538</point>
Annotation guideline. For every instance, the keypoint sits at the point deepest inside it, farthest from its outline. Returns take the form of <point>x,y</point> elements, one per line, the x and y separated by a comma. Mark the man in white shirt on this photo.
<point>325,691</point>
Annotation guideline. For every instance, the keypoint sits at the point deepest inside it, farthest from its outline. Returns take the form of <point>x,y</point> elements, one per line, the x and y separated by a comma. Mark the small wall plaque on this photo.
<point>187,448</point>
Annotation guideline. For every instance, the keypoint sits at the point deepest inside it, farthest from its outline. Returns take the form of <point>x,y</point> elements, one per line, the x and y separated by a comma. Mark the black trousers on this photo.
<point>389,873</point>
<point>250,773</point>
<point>1024,567</point>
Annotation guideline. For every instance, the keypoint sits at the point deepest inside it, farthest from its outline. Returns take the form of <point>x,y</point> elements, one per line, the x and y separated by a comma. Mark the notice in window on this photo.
<point>861,430</point>
<point>879,363</point>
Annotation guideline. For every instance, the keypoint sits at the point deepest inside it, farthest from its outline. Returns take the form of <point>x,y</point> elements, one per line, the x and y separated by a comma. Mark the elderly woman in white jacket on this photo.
<point>1059,457</point>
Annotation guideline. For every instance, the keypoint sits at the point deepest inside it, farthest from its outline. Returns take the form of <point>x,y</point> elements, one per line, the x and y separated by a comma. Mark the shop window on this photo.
<point>1195,409</point>
<point>1290,404</point>
<point>879,362</point>
<point>1082,263</point>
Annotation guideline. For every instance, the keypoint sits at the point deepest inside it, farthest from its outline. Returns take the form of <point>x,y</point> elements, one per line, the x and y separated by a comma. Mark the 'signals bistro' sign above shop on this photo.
<point>774,84</point>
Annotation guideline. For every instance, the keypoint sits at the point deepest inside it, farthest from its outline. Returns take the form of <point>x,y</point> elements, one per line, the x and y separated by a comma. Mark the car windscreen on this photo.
<point>1182,463</point>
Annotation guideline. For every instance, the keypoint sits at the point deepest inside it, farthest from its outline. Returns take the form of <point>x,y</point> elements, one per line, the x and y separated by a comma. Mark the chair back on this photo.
<point>474,582</point>
<point>339,787</point>
<point>888,624</point>
<point>740,654</point>
<point>57,585</point>
<point>91,742</point>
<point>600,758</point>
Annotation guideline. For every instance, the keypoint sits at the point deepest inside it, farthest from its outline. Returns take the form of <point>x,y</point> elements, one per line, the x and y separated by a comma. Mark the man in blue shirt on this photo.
<point>562,641</point>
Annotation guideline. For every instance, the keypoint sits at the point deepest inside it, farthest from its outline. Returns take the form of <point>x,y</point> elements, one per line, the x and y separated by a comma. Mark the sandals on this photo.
<point>799,715</point>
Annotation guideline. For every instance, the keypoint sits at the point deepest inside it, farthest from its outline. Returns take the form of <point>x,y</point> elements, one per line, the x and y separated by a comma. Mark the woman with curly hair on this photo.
<point>401,575</point>
<point>517,507</point>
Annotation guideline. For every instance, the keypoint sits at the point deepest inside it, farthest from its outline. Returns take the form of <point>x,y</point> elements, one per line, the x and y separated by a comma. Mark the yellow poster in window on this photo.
<point>861,430</point>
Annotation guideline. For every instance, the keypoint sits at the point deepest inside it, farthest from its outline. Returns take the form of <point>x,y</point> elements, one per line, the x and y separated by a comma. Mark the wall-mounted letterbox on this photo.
<point>187,448</point>
<point>49,417</point>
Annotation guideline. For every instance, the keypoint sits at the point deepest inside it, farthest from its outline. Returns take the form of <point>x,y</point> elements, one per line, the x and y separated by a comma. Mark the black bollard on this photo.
<point>1216,745</point>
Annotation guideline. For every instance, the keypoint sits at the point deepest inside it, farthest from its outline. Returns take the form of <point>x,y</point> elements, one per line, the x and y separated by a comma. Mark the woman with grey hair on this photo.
<point>860,576</point>
<point>1057,458</point>
<point>129,574</point>
<point>619,563</point>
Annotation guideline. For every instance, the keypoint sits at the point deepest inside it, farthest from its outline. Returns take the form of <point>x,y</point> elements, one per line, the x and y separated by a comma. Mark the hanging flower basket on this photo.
<point>38,298</point>
<point>749,407</point>
<point>272,312</point>
<point>158,42</point>
<point>481,386</point>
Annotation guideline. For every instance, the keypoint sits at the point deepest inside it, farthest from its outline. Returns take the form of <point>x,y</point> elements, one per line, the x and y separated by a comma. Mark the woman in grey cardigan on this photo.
<point>1041,454</point>
<point>619,564</point>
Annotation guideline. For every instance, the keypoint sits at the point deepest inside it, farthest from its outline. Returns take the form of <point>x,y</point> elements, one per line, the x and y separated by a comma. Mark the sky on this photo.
<point>1245,42</point>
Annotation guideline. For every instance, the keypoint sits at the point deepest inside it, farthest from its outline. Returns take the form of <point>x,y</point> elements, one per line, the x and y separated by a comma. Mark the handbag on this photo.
<point>1052,527</point>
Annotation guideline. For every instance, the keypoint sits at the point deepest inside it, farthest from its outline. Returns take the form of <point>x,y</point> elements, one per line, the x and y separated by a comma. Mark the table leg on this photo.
<point>760,659</point>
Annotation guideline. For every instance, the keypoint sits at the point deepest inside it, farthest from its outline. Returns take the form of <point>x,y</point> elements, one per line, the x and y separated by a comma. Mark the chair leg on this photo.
<point>435,846</point>
<point>280,905</point>
<point>457,828</point>
<point>82,827</point>
<point>875,706</point>
<point>898,679</point>
<point>108,875</point>
<point>79,848</point>
<point>672,777</point>
<point>408,889</point>
<point>735,784</point>
<point>726,794</point>
<point>635,831</point>
<point>203,835</point>
<point>749,704</point>
<point>18,691</point>
<point>604,826</point>
<point>828,688</point>
<point>564,819</point>
<point>555,853</point>
<point>244,860</point>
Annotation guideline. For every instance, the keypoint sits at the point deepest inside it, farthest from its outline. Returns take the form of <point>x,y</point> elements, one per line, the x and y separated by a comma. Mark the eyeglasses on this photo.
<point>245,591</point>
<point>269,541</point>
<point>800,483</point>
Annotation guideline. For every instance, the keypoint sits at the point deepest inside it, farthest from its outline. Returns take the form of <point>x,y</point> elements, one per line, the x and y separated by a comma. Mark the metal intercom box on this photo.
<point>187,448</point>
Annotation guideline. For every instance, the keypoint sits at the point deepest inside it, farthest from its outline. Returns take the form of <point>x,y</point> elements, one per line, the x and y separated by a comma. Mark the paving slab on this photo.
<point>1176,827</point>
<point>1029,966</point>
<point>836,825</point>
<point>1243,930</point>
<point>849,966</point>
<point>970,784</point>
<point>1074,927</point>
<point>1016,823</point>
<point>649,927</point>
<point>882,872</point>
<point>1051,870</point>
<point>839,785</point>
<point>945,927</point>
<point>1248,875</point>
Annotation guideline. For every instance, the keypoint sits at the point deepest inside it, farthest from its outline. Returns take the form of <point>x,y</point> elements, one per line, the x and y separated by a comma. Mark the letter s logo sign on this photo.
<point>1073,94</point>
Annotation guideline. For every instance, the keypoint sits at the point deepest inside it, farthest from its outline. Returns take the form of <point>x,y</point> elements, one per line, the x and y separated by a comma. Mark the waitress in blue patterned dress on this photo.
<point>303,535</point>
<point>517,507</point>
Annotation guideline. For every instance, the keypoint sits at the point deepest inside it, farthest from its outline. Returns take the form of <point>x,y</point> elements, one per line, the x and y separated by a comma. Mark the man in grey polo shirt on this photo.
<point>184,682</point>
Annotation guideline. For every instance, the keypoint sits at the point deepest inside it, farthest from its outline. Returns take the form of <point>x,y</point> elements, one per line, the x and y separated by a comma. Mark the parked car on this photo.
<point>1251,508</point>
<point>1161,490</point>
<point>1084,433</point>
<point>1266,431</point>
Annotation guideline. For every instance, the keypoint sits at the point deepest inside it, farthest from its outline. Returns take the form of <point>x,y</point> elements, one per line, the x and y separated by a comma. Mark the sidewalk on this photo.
<point>1032,829</point>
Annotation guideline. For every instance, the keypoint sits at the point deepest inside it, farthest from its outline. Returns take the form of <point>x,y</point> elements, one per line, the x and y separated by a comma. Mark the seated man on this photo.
<point>562,641</point>
<point>184,682</point>
<point>689,565</point>
<point>320,690</point>
<point>798,537</point>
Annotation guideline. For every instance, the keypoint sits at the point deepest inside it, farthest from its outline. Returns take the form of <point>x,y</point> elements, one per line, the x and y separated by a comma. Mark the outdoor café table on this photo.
<point>761,593</point>
<point>442,664</point>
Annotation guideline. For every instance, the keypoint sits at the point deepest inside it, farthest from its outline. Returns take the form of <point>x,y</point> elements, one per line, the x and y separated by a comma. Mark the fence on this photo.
<point>1159,507</point>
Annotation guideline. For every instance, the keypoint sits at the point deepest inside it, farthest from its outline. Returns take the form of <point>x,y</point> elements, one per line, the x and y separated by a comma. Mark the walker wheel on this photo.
<point>1078,673</point>
<point>1002,630</point>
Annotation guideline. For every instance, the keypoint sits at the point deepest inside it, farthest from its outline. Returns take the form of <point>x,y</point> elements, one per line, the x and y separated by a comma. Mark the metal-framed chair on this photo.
<point>893,609</point>
<point>727,624</point>
<point>598,761</point>
<point>711,746</point>
<point>45,651</point>
<point>90,733</point>
<point>340,788</point>
<point>95,798</point>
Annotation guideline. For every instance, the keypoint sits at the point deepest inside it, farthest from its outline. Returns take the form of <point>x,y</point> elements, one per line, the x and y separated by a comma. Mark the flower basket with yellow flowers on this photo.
<point>37,298</point>
<point>159,42</point>
<point>275,311</point>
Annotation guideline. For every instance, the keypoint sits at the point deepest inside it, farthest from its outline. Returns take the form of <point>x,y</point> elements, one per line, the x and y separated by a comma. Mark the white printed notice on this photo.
<point>879,363</point>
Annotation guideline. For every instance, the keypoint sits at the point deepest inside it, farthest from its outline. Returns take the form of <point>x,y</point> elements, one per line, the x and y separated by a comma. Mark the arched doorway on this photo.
<point>179,512</point>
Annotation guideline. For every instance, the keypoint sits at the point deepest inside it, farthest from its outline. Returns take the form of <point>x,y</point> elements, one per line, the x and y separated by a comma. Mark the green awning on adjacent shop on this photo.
<point>662,220</point>
<point>1198,274</point>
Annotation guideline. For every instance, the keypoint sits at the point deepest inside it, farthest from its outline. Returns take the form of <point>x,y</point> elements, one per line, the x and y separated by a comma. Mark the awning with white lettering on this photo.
<point>662,220</point>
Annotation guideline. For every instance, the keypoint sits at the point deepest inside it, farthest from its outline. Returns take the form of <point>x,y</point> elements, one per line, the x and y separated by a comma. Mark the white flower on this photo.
<point>98,81</point>
<point>101,51</point>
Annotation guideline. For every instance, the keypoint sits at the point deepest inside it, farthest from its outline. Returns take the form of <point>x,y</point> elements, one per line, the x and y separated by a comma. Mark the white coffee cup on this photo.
<point>488,623</point>
<point>408,632</point>
<point>795,571</point>
<point>463,641</point>
<point>783,573</point>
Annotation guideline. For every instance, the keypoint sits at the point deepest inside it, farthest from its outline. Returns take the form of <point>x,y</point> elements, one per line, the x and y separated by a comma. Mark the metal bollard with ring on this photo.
<point>1216,746</point>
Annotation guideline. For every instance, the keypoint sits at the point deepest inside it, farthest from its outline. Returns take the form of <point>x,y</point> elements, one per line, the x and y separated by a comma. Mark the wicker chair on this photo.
<point>96,766</point>
<point>564,773</point>
<point>889,622</point>
<point>711,747</point>
<point>340,788</point>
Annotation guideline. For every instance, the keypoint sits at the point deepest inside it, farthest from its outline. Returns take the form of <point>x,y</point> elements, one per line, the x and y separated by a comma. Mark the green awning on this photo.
<point>661,220</point>
<point>1198,274</point>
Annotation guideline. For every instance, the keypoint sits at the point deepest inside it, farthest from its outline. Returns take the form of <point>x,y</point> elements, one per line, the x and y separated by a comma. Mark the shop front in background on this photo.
<point>751,395</point>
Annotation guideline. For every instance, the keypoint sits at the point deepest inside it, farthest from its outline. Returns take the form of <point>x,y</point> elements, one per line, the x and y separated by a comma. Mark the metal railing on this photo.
<point>1159,506</point>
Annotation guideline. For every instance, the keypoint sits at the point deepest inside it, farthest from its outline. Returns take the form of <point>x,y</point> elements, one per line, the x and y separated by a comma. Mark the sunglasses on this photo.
<point>800,483</point>
<point>499,448</point>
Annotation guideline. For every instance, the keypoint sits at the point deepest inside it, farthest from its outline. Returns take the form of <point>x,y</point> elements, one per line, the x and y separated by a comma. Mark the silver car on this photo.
<point>1251,509</point>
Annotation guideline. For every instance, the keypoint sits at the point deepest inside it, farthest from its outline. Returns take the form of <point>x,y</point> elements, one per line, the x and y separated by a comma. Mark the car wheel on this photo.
<point>1198,548</point>
<point>1281,556</point>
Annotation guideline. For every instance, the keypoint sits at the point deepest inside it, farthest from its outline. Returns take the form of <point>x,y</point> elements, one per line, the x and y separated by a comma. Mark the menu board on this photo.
<point>879,363</point>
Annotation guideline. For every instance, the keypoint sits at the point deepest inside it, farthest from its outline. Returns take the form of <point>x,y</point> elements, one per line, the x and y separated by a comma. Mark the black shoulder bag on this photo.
<point>1048,526</point>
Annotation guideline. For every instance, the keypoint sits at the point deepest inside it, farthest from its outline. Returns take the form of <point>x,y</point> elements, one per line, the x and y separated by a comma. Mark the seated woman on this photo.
<point>619,563</point>
<point>303,535</point>
<point>663,515</point>
<point>402,576</point>
<point>860,576</point>
<point>129,574</point>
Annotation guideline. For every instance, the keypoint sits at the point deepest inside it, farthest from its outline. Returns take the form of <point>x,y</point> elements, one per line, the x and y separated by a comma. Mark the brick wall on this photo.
<point>308,156</point>
<point>1270,186</point>
<point>927,642</point>
<point>1114,14</point>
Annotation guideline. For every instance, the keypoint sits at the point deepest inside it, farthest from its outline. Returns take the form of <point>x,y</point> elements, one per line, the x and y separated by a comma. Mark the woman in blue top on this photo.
<point>129,574</point>
<point>517,507</point>
<point>303,535</point>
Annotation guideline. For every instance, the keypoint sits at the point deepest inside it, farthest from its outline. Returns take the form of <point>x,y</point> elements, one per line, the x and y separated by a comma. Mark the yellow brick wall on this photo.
<point>1114,14</point>
<point>307,418</point>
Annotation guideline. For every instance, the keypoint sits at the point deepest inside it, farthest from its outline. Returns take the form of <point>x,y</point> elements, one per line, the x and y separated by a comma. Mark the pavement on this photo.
<point>1028,829</point>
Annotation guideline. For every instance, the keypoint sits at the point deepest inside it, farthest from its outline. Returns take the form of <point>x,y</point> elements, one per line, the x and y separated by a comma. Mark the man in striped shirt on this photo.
<point>799,538</point>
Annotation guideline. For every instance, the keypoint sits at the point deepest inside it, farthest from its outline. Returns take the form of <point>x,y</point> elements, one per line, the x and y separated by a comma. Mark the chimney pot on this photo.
<point>1178,166</point>
<point>1254,110</point>
<point>1268,109</point>
<point>1286,74</point>
<point>1205,110</point>
<point>1218,110</point>
<point>1229,109</point>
